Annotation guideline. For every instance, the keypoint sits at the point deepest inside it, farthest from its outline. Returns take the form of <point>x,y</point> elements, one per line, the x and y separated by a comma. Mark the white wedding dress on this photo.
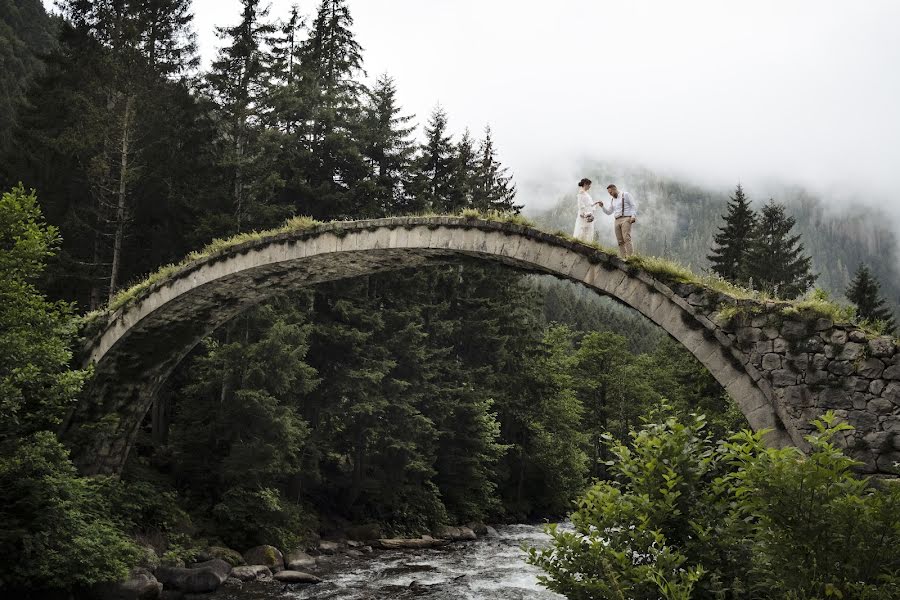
<point>584,229</point>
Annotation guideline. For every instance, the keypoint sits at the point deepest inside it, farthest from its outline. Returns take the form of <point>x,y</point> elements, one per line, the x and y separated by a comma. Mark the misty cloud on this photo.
<point>802,92</point>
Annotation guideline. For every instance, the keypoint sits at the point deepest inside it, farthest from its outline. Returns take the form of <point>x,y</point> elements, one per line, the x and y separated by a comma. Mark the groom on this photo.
<point>624,208</point>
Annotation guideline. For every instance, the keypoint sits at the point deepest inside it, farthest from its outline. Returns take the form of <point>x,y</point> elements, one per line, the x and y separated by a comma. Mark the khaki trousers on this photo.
<point>623,236</point>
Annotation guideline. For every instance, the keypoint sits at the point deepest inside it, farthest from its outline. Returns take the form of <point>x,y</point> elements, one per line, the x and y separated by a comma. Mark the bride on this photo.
<point>584,223</point>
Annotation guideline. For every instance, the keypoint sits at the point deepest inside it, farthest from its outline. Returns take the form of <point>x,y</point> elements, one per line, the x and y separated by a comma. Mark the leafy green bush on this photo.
<point>57,532</point>
<point>686,517</point>
<point>250,517</point>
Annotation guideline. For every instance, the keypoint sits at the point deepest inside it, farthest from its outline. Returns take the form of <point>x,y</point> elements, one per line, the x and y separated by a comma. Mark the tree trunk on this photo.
<point>122,196</point>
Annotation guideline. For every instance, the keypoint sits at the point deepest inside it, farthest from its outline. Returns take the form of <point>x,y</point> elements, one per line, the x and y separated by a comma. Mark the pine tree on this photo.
<point>327,164</point>
<point>734,238</point>
<point>776,262</point>
<point>388,150</point>
<point>434,177</point>
<point>865,293</point>
<point>465,165</point>
<point>238,81</point>
<point>494,189</point>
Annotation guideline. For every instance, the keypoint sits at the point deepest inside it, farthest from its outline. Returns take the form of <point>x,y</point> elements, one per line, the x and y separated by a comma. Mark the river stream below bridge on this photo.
<point>490,568</point>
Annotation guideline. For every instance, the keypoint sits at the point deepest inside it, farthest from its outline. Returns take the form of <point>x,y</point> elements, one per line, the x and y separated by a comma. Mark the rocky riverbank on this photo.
<point>218,567</point>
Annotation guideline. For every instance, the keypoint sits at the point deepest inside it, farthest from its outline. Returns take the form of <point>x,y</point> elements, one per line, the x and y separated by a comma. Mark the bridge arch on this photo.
<point>135,347</point>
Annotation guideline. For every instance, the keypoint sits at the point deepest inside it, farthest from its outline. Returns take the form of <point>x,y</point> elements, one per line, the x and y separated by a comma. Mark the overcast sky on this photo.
<point>804,91</point>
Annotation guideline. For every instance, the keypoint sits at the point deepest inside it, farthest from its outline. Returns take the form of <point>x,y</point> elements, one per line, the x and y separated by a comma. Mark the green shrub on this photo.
<point>56,530</point>
<point>248,517</point>
<point>686,517</point>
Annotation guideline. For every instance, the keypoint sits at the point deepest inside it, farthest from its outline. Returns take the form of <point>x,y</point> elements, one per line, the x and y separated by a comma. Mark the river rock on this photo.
<point>251,572</point>
<point>296,577</point>
<point>410,543</point>
<point>478,527</point>
<point>269,556</point>
<point>457,534</point>
<point>232,557</point>
<point>191,581</point>
<point>329,547</point>
<point>221,567</point>
<point>299,560</point>
<point>140,585</point>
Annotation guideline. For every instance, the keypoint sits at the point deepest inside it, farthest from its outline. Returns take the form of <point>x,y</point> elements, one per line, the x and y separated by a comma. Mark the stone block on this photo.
<point>882,347</point>
<point>759,321</point>
<point>781,345</point>
<point>794,330</point>
<point>830,352</point>
<point>771,362</point>
<point>871,368</point>
<point>892,372</point>
<point>860,401</point>
<point>858,336</point>
<point>841,368</point>
<point>817,377</point>
<point>764,347</point>
<point>855,384</point>
<point>851,351</point>
<point>892,392</point>
<point>834,399</point>
<point>819,361</point>
<point>771,333</point>
<point>783,378</point>
<point>879,440</point>
<point>838,337</point>
<point>862,420</point>
<point>749,335</point>
<point>891,424</point>
<point>813,344</point>
<point>824,324</point>
<point>887,462</point>
<point>877,386</point>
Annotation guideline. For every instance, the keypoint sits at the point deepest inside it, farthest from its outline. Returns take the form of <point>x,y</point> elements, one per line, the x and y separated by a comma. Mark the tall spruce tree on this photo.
<point>388,150</point>
<point>238,81</point>
<point>865,293</point>
<point>494,188</point>
<point>733,241</point>
<point>434,180</point>
<point>776,262</point>
<point>326,164</point>
<point>465,165</point>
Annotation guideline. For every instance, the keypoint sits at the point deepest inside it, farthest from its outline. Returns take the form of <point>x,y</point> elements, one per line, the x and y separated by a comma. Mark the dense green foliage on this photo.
<point>56,530</point>
<point>865,293</point>
<point>687,517</point>
<point>26,34</point>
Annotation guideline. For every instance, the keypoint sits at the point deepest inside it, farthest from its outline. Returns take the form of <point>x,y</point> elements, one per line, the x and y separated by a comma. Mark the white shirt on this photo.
<point>615,207</point>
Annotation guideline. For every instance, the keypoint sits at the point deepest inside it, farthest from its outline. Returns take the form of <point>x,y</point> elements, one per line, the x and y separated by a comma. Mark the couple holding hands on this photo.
<point>622,206</point>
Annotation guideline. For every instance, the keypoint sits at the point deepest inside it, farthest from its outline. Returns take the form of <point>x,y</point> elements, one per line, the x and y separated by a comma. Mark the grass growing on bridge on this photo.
<point>668,271</point>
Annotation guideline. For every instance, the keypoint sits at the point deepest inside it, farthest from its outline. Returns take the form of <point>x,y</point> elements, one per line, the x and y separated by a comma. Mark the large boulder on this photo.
<point>251,572</point>
<point>269,556</point>
<point>299,560</point>
<point>457,534</point>
<point>296,577</point>
<point>192,581</point>
<point>232,557</point>
<point>221,567</point>
<point>329,547</point>
<point>140,585</point>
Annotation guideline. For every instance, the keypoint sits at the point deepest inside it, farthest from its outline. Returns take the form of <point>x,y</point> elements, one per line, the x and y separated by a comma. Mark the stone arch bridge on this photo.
<point>783,367</point>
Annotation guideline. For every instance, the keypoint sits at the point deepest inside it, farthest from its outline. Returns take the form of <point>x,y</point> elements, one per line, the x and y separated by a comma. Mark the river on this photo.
<point>491,568</point>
